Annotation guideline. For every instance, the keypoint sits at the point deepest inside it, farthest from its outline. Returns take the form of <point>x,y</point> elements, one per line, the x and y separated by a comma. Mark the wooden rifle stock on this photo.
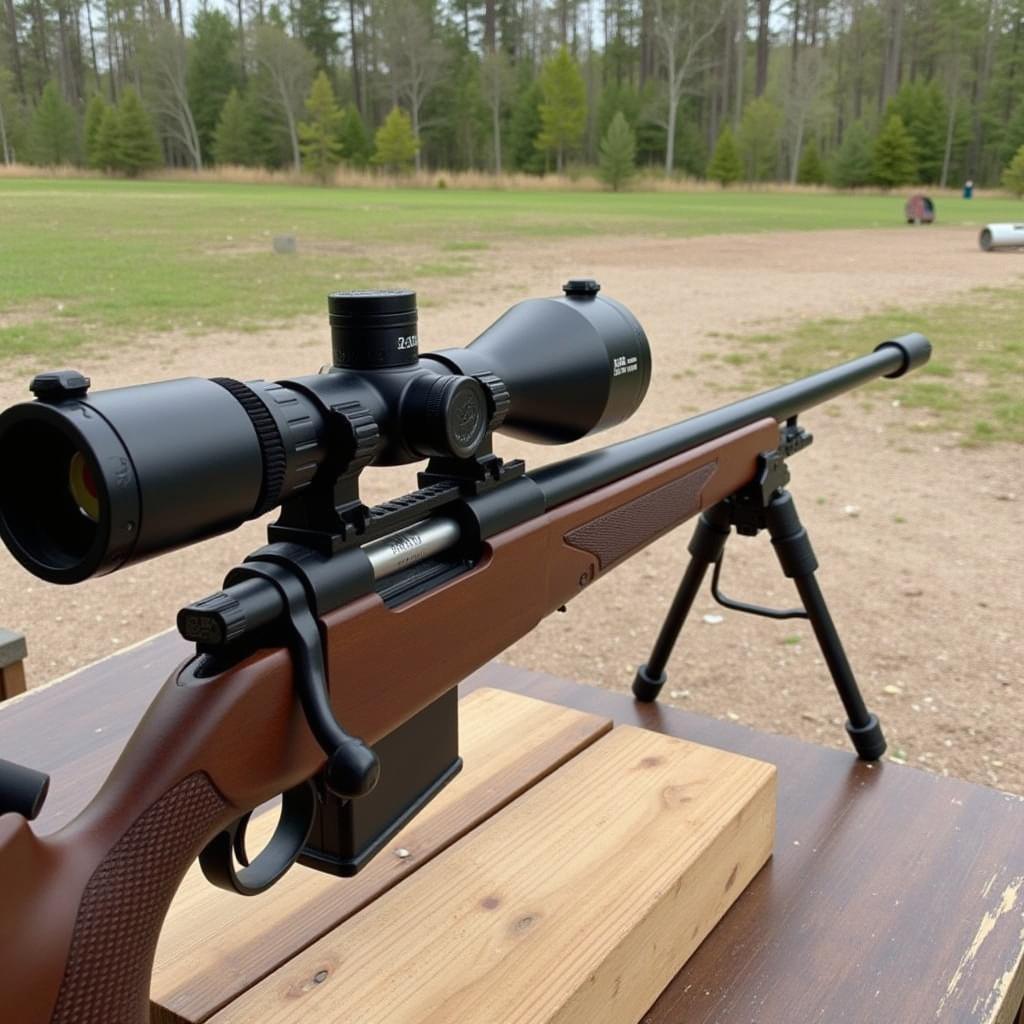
<point>81,909</point>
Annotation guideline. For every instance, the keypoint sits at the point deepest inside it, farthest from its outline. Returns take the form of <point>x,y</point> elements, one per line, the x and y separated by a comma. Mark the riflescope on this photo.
<point>93,481</point>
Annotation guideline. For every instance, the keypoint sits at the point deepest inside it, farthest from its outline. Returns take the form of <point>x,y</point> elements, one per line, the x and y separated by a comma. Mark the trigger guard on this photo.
<point>217,861</point>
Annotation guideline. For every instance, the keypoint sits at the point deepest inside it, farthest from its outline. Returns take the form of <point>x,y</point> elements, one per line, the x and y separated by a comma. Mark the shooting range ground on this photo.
<point>122,257</point>
<point>914,511</point>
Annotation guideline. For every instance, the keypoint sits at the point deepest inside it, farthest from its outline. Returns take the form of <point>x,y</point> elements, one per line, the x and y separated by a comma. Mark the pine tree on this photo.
<point>53,138</point>
<point>13,128</point>
<point>355,141</point>
<point>231,140</point>
<point>1013,176</point>
<point>461,129</point>
<point>616,98</point>
<point>811,170</point>
<point>618,153</point>
<point>394,144</point>
<point>94,115</point>
<point>691,148</point>
<point>894,160</point>
<point>923,111</point>
<point>314,24</point>
<point>563,109</point>
<point>212,73</point>
<point>108,139</point>
<point>267,138</point>
<point>725,166</point>
<point>1013,137</point>
<point>523,129</point>
<point>319,138</point>
<point>852,167</point>
<point>137,145</point>
<point>758,140</point>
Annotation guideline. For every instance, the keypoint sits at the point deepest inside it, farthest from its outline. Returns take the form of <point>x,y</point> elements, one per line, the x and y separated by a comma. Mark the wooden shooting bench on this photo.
<point>12,670</point>
<point>893,896</point>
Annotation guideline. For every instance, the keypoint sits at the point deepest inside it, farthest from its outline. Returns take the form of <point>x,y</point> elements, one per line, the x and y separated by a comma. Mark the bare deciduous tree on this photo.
<point>682,29</point>
<point>764,13</point>
<point>953,67</point>
<point>12,30</point>
<point>413,55</point>
<point>5,96</point>
<point>289,66</point>
<point>166,60</point>
<point>496,72</point>
<point>805,83</point>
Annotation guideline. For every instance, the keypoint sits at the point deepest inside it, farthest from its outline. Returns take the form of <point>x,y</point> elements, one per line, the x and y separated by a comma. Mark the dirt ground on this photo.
<point>919,540</point>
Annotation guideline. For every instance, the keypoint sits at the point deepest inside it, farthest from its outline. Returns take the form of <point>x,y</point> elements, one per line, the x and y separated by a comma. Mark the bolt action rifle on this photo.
<point>326,669</point>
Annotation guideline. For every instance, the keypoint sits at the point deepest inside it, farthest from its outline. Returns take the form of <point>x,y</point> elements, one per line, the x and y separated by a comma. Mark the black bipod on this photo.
<point>765,504</point>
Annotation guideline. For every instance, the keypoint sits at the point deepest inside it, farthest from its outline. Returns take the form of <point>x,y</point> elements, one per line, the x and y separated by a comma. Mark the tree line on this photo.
<point>848,92</point>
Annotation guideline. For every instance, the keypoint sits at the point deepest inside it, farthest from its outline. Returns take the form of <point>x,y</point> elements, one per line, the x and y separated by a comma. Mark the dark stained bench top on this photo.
<point>894,896</point>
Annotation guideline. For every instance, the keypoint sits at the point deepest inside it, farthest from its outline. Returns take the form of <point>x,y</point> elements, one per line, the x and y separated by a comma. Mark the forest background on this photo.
<point>846,92</point>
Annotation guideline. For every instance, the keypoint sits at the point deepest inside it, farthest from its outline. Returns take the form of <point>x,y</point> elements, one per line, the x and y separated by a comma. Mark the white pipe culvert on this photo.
<point>1001,236</point>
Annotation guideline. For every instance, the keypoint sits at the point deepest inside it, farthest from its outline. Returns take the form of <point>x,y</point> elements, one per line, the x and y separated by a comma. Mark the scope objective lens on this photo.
<point>82,485</point>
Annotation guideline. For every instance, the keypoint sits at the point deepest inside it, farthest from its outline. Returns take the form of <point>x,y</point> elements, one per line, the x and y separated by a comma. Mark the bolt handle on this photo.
<point>352,768</point>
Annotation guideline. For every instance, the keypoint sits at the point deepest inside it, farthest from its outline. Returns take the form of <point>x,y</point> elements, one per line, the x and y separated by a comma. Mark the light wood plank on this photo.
<point>12,680</point>
<point>575,905</point>
<point>215,945</point>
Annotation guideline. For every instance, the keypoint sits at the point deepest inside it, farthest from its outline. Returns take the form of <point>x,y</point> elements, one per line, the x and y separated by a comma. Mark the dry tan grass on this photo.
<point>32,171</point>
<point>577,180</point>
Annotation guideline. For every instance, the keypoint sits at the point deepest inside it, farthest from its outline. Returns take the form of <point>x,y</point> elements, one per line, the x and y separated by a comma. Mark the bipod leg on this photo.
<point>793,548</point>
<point>705,549</point>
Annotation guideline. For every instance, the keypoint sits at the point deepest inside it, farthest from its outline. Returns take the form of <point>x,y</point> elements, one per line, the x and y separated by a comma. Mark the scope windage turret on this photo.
<point>92,482</point>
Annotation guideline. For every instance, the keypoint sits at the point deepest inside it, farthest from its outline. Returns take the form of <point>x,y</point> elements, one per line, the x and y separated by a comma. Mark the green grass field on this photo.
<point>88,260</point>
<point>972,385</point>
<point>97,261</point>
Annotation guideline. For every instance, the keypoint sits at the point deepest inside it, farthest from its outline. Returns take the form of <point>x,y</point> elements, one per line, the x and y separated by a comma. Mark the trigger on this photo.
<point>217,861</point>
<point>238,832</point>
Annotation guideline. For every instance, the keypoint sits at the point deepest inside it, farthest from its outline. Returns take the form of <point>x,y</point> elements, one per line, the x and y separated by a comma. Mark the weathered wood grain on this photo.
<point>893,895</point>
<point>576,904</point>
<point>873,909</point>
<point>215,945</point>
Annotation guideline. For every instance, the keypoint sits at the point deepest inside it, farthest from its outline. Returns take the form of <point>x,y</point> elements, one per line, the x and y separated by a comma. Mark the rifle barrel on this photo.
<point>562,481</point>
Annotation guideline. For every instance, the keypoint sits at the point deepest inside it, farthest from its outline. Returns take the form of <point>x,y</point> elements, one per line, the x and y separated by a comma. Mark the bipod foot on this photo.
<point>867,740</point>
<point>646,687</point>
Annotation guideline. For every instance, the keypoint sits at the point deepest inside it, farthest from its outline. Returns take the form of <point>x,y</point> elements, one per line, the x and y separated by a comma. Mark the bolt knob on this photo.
<point>22,790</point>
<point>353,769</point>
